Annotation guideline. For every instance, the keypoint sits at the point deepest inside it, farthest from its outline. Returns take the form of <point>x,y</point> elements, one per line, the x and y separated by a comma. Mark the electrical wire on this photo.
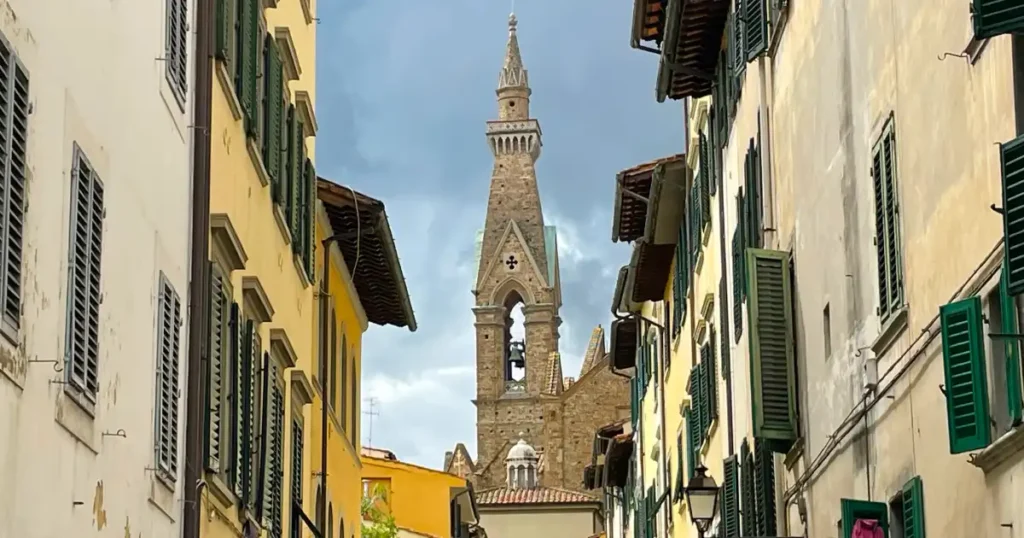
<point>861,408</point>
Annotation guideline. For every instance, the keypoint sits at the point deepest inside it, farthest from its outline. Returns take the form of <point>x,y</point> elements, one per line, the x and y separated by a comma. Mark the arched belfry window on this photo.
<point>515,341</point>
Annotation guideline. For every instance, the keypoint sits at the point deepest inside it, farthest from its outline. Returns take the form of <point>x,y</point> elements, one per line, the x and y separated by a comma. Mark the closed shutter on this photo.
<point>707,378</point>
<point>225,20</point>
<point>248,47</point>
<point>706,178</point>
<point>747,497</point>
<point>692,449</point>
<point>695,223</point>
<point>755,27</point>
<point>86,247</point>
<point>743,227</point>
<point>912,499</point>
<point>1011,325</point>
<point>887,236</point>
<point>699,391</point>
<point>764,488</point>
<point>308,205</point>
<point>233,402</point>
<point>752,175</point>
<point>13,166</point>
<point>168,351</point>
<point>219,348</point>
<point>731,499</point>
<point>737,283</point>
<point>714,155</point>
<point>963,354</point>
<point>997,17</point>
<point>677,286</point>
<point>679,468</point>
<point>277,461</point>
<point>712,374</point>
<point>773,358</point>
<point>852,510</point>
<point>1011,156</point>
<point>723,322</point>
<point>273,91</point>
<point>247,401</point>
<point>634,401</point>
<point>297,187</point>
<point>297,448</point>
<point>289,177</point>
<point>739,56</point>
<point>176,54</point>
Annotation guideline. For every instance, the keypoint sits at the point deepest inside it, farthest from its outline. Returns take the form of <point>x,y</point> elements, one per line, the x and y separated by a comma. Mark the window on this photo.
<point>853,510</point>
<point>248,409</point>
<point>888,247</point>
<point>826,321</point>
<point>85,252</point>
<point>297,443</point>
<point>176,53</point>
<point>168,331</point>
<point>731,499</point>
<point>273,114</point>
<point>13,163</point>
<point>227,35</point>
<point>907,509</point>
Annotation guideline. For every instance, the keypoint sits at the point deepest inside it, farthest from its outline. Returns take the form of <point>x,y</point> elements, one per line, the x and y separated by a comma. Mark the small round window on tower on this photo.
<point>512,104</point>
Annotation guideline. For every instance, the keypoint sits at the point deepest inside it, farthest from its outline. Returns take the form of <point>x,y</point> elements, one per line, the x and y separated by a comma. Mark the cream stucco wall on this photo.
<point>96,80</point>
<point>840,69</point>
<point>581,522</point>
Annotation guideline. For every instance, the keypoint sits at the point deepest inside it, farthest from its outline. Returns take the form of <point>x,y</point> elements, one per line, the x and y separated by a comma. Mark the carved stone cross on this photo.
<point>511,262</point>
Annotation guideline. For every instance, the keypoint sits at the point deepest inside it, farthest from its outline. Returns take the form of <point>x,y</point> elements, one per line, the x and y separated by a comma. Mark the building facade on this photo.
<point>424,502</point>
<point>94,258</point>
<point>521,389</point>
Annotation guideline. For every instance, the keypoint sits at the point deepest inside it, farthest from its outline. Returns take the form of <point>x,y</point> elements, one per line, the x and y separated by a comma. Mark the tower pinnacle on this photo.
<point>513,74</point>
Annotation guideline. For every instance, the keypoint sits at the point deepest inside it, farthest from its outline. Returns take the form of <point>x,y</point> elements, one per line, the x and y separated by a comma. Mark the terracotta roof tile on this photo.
<point>540,495</point>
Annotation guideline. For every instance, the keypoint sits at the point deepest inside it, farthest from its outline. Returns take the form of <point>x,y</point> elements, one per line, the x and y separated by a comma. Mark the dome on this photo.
<point>522,451</point>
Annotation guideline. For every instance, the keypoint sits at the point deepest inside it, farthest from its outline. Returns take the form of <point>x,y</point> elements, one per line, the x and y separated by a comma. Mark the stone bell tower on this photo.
<point>518,264</point>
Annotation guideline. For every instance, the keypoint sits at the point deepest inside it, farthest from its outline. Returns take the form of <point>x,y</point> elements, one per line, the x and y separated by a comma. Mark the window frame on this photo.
<point>887,132</point>
<point>11,328</point>
<point>179,86</point>
<point>227,401</point>
<point>166,471</point>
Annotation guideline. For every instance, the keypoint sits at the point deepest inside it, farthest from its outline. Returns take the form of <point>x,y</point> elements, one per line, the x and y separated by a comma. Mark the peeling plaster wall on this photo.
<point>841,67</point>
<point>96,80</point>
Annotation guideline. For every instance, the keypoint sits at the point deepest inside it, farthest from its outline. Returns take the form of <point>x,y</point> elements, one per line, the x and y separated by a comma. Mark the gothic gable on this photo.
<point>512,260</point>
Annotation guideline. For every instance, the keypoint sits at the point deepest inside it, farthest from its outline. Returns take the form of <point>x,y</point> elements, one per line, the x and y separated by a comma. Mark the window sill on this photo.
<point>77,416</point>
<point>225,497</point>
<point>257,161</point>
<point>794,454</point>
<point>229,90</point>
<point>301,270</point>
<point>699,262</point>
<point>12,363</point>
<point>161,495</point>
<point>282,224</point>
<point>892,328</point>
<point>1006,447</point>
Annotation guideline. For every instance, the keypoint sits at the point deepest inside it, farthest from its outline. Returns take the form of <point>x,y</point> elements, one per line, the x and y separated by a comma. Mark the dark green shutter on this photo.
<point>707,380</point>
<point>755,28</point>
<point>248,15</point>
<point>699,394</point>
<point>887,236</point>
<point>852,510</point>
<point>752,178</point>
<point>772,355</point>
<point>963,352</point>
<point>997,17</point>
<point>737,283</point>
<point>274,96</point>
<point>233,407</point>
<point>742,224</point>
<point>1011,156</point>
<point>739,64</point>
<point>712,373</point>
<point>246,400</point>
<point>678,292</point>
<point>296,161</point>
<point>723,322</point>
<point>225,23</point>
<point>304,244</point>
<point>15,126</point>
<point>714,156</point>
<point>731,499</point>
<point>679,467</point>
<point>764,488</point>
<point>913,509</point>
<point>634,402</point>
<point>297,449</point>
<point>706,178</point>
<point>1011,325</point>
<point>747,498</point>
<point>692,448</point>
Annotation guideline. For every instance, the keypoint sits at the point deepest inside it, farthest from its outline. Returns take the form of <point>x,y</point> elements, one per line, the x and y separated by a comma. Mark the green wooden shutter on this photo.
<point>707,381</point>
<point>217,309</point>
<point>680,485</point>
<point>772,354</point>
<point>236,331</point>
<point>276,447</point>
<point>297,449</point>
<point>852,510</point>
<point>168,352</point>
<point>1011,156</point>
<point>225,24</point>
<point>887,236</point>
<point>997,17</point>
<point>755,28</point>
<point>692,449</point>
<point>700,387</point>
<point>308,205</point>
<point>739,30</point>
<point>764,488</point>
<point>245,400</point>
<point>12,214</point>
<point>712,374</point>
<point>713,154</point>
<point>913,509</point>
<point>723,322</point>
<point>747,498</point>
<point>742,224</point>
<point>297,188</point>
<point>737,283</point>
<point>706,177</point>
<point>274,90</point>
<point>176,45</point>
<point>634,401</point>
<point>752,178</point>
<point>678,295</point>
<point>248,19</point>
<point>1011,325</point>
<point>963,352</point>
<point>731,499</point>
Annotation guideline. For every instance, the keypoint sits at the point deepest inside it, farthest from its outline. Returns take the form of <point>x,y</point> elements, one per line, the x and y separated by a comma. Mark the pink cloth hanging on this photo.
<point>867,528</point>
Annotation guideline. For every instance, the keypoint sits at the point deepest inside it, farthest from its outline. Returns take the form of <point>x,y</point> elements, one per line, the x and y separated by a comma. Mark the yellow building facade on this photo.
<point>424,502</point>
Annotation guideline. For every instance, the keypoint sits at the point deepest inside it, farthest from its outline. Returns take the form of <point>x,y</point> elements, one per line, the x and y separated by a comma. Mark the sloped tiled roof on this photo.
<point>554,374</point>
<point>542,495</point>
<point>595,350</point>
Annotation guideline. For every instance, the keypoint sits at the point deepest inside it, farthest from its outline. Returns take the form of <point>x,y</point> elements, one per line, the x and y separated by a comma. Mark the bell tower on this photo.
<point>517,286</point>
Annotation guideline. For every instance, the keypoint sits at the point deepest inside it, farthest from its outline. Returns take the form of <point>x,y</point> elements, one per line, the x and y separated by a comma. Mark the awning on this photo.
<point>616,461</point>
<point>691,47</point>
<point>649,201</point>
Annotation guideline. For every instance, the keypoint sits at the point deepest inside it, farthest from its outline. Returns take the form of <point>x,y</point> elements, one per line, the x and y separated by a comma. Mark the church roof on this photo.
<point>541,495</point>
<point>595,350</point>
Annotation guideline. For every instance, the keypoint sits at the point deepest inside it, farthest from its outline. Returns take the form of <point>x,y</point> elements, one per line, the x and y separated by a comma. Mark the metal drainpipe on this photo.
<point>324,287</point>
<point>199,269</point>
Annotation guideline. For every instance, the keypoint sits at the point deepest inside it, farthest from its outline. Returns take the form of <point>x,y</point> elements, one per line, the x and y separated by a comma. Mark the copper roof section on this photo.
<point>648,21</point>
<point>541,495</point>
<point>629,220</point>
<point>363,229</point>
<point>690,52</point>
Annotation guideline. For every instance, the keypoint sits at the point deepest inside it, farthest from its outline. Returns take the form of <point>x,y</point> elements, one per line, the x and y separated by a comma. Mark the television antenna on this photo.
<point>372,412</point>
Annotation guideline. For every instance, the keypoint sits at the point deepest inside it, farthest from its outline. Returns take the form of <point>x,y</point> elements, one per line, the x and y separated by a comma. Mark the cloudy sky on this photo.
<point>404,90</point>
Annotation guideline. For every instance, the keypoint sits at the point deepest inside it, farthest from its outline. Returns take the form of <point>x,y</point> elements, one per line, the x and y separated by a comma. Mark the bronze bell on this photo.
<point>516,356</point>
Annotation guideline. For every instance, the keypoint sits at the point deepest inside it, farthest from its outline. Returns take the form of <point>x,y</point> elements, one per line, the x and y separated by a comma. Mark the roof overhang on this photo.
<point>617,458</point>
<point>691,46</point>
<point>625,333</point>
<point>621,300</point>
<point>648,22</point>
<point>649,200</point>
<point>650,265</point>
<point>361,227</point>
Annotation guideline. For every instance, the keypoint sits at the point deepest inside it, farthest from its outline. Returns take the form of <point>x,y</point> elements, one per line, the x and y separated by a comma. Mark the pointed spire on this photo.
<point>513,74</point>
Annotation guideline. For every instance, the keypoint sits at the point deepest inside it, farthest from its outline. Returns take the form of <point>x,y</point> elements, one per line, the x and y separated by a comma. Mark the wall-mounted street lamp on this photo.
<point>702,499</point>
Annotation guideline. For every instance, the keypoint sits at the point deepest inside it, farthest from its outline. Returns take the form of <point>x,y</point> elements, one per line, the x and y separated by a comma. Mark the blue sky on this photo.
<point>404,89</point>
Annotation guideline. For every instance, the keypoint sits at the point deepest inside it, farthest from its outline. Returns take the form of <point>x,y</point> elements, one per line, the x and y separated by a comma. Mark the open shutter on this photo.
<point>13,163</point>
<point>1011,156</point>
<point>852,510</point>
<point>714,157</point>
<point>913,509</point>
<point>731,499</point>
<point>747,497</point>
<point>680,484</point>
<point>297,187</point>
<point>764,488</point>
<point>742,225</point>
<point>236,331</point>
<point>297,448</point>
<point>309,201</point>
<point>87,208</point>
<point>963,353</point>
<point>712,374</point>
<point>772,357</point>
<point>678,295</point>
<point>1011,325</point>
<point>723,322</point>
<point>272,139</point>
<point>248,23</point>
<point>755,28</point>
<point>218,346</point>
<point>737,283</point>
<point>701,389</point>
<point>997,17</point>
<point>225,23</point>
<point>706,178</point>
<point>690,418</point>
<point>739,64</point>
<point>752,176</point>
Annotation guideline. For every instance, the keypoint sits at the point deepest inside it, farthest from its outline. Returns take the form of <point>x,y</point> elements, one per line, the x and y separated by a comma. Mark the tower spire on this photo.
<point>513,74</point>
